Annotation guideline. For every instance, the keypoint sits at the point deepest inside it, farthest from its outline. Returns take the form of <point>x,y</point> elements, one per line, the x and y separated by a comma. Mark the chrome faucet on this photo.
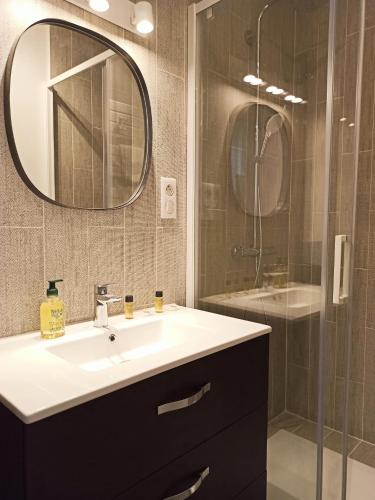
<point>102,299</point>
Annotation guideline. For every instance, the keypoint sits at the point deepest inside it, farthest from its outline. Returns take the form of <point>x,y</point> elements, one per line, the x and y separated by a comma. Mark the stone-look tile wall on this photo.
<point>227,54</point>
<point>131,248</point>
<point>303,338</point>
<point>307,198</point>
<point>362,374</point>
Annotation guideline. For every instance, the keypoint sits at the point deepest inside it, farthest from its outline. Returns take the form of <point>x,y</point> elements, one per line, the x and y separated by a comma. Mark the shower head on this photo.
<point>274,124</point>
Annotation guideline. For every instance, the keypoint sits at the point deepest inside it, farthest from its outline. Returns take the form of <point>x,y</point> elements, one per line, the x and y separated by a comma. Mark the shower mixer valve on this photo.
<point>240,251</point>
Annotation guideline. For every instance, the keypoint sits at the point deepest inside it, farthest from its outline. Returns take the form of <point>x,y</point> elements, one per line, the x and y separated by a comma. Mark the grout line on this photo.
<point>25,227</point>
<point>170,73</point>
<point>355,447</point>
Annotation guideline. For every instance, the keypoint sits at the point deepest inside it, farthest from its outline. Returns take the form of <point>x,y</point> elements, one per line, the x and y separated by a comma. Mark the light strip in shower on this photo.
<point>272,89</point>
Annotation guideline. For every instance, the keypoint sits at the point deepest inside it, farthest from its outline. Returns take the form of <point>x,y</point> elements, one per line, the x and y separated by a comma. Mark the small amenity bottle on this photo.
<point>129,307</point>
<point>159,302</point>
<point>52,314</point>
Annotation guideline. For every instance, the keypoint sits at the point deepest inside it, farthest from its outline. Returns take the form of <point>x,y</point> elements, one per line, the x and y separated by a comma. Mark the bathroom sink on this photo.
<point>88,362</point>
<point>294,302</point>
<point>99,352</point>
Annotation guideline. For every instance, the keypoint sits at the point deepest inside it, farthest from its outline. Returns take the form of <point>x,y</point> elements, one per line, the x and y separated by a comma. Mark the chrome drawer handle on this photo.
<point>184,403</point>
<point>193,489</point>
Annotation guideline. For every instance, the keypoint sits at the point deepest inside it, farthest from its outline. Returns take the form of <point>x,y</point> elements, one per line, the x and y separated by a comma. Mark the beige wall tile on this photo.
<point>106,218</point>
<point>170,274</point>
<point>297,399</point>
<point>218,36</point>
<point>369,393</point>
<point>21,268</point>
<point>171,25</point>
<point>66,243</point>
<point>370,13</point>
<point>140,268</point>
<point>355,407</point>
<point>171,147</point>
<point>86,248</point>
<point>18,205</point>
<point>142,215</point>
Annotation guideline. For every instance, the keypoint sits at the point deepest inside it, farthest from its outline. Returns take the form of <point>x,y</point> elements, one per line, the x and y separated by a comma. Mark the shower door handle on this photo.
<point>341,272</point>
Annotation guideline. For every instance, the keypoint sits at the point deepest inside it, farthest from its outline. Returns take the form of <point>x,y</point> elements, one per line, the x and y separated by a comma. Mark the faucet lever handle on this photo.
<point>102,289</point>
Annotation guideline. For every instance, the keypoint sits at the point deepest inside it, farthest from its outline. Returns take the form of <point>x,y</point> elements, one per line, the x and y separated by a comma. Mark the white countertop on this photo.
<point>35,383</point>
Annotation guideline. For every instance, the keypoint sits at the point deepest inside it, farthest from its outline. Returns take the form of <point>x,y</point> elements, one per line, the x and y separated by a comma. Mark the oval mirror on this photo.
<point>259,152</point>
<point>78,117</point>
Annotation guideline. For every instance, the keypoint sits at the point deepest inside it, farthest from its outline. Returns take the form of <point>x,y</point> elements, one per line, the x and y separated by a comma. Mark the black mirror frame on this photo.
<point>144,98</point>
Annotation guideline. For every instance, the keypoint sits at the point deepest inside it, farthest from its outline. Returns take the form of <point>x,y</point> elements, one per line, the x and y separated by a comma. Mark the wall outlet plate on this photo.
<point>168,198</point>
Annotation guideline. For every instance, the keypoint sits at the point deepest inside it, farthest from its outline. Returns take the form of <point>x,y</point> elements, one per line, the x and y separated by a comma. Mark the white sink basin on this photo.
<point>297,301</point>
<point>98,352</point>
<point>39,378</point>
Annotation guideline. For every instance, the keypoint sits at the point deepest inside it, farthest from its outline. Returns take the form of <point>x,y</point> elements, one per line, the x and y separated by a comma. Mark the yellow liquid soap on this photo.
<point>52,318</point>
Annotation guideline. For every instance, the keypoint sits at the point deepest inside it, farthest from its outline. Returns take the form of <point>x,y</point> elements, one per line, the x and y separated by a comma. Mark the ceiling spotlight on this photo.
<point>278,91</point>
<point>99,5</point>
<point>143,18</point>
<point>290,97</point>
<point>351,125</point>
<point>271,89</point>
<point>297,100</point>
<point>253,80</point>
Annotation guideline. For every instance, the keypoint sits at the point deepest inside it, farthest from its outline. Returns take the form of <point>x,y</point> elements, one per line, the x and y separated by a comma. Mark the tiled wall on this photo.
<point>303,338</point>
<point>227,53</point>
<point>132,248</point>
<point>307,198</point>
<point>362,375</point>
<point>295,58</point>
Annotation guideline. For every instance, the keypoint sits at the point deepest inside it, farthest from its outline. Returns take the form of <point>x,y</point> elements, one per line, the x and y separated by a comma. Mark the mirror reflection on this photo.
<point>259,153</point>
<point>77,118</point>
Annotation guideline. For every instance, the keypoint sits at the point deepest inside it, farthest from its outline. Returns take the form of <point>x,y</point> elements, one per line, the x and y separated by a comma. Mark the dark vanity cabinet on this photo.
<point>197,430</point>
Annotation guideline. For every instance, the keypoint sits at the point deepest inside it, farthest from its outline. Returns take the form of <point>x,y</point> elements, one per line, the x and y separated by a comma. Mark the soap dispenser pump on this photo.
<point>52,314</point>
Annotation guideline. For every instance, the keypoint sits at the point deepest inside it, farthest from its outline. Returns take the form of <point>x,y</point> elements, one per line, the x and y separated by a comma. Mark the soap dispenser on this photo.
<point>52,314</point>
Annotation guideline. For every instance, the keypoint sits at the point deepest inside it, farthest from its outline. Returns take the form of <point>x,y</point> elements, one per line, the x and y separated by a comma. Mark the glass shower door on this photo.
<point>276,174</point>
<point>343,351</point>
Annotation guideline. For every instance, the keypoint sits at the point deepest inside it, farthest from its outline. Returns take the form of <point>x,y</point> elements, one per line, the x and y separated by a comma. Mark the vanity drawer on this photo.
<point>109,444</point>
<point>218,469</point>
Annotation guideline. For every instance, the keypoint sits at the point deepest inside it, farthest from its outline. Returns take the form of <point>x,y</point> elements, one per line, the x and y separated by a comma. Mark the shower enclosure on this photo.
<point>281,221</point>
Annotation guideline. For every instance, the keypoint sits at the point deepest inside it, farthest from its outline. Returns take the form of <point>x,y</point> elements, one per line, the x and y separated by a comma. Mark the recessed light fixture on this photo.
<point>143,18</point>
<point>253,80</point>
<point>297,100</point>
<point>99,5</point>
<point>351,125</point>
<point>290,98</point>
<point>272,89</point>
<point>343,119</point>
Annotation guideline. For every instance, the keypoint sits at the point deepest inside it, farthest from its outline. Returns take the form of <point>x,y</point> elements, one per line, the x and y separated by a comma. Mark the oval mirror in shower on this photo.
<point>78,117</point>
<point>259,150</point>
